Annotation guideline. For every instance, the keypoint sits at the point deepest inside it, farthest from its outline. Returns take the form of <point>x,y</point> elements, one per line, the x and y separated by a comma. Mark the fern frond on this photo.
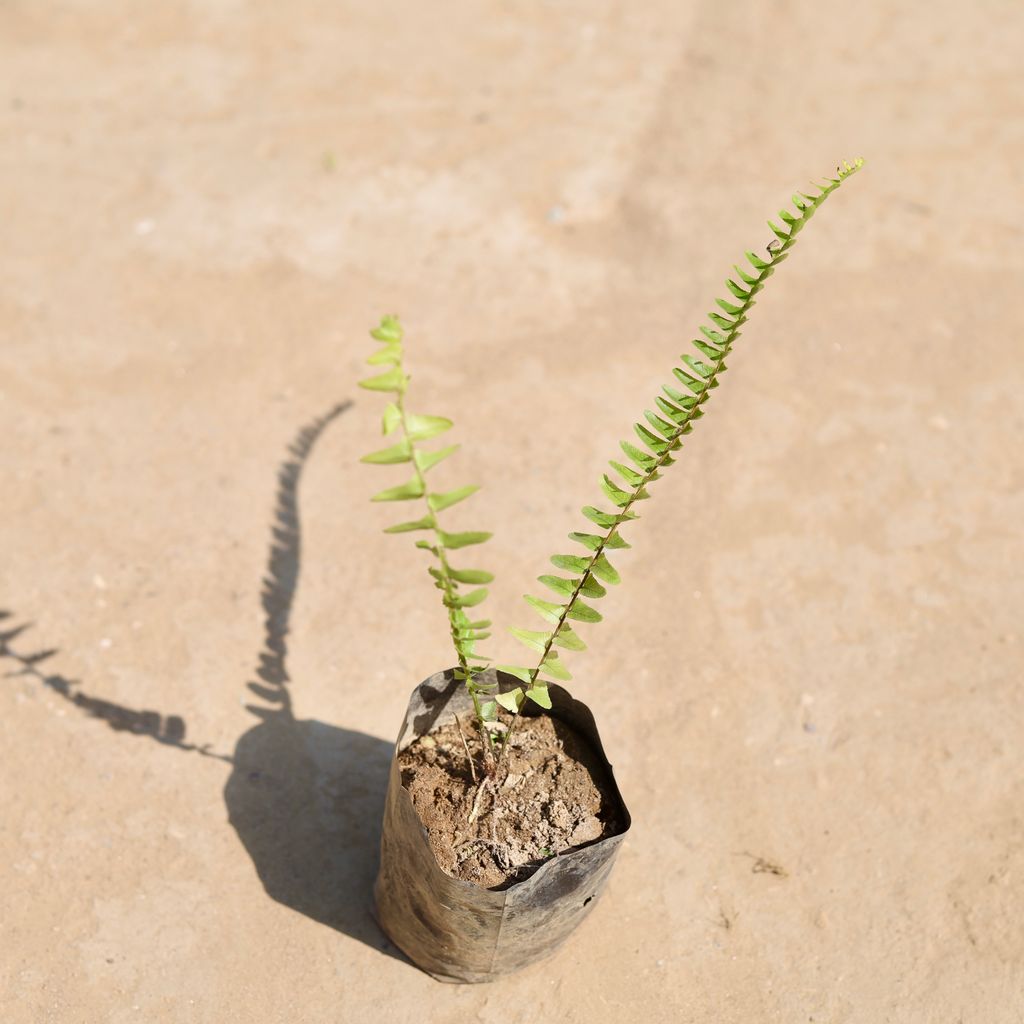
<point>414,429</point>
<point>662,435</point>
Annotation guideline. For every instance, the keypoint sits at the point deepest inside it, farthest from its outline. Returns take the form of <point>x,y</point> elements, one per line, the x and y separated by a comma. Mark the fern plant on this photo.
<point>679,407</point>
<point>412,430</point>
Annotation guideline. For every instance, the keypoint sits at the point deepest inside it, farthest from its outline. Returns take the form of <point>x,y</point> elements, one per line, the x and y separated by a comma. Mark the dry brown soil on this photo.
<point>548,794</point>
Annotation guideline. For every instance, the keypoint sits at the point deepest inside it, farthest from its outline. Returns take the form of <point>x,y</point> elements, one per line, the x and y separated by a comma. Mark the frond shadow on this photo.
<point>306,797</point>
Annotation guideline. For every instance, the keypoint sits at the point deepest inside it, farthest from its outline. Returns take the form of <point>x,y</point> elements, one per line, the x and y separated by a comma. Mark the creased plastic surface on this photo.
<point>456,930</point>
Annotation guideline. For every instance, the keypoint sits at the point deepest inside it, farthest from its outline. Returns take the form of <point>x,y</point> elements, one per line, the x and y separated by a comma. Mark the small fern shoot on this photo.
<point>660,436</point>
<point>412,429</point>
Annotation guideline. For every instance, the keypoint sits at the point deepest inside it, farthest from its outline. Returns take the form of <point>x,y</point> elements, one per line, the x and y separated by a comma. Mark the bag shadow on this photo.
<point>306,800</point>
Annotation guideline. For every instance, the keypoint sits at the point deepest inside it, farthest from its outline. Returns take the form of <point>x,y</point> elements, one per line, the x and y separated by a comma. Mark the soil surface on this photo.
<point>551,793</point>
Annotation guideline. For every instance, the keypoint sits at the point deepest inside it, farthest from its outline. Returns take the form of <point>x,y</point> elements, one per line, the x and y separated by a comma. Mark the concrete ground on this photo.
<point>810,678</point>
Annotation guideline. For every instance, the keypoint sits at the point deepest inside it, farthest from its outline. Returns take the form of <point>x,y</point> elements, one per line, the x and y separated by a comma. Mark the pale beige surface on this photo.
<point>815,657</point>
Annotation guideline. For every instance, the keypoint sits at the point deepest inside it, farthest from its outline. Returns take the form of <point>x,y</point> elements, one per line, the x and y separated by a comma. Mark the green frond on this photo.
<point>403,492</point>
<point>756,262</point>
<point>744,277</point>
<point>511,700</point>
<point>582,612</point>
<point>392,418</point>
<point>591,541</point>
<point>676,413</point>
<point>680,398</point>
<point>415,428</point>
<point>422,428</point>
<point>706,350</point>
<point>698,387</point>
<point>539,695</point>
<point>472,576</point>
<point>454,541</point>
<point>699,375</point>
<point>663,427</point>
<point>439,502</point>
<point>552,666</point>
<point>615,494</point>
<point>426,523</point>
<point>700,368</point>
<point>604,570</point>
<point>565,637</point>
<point>388,330</point>
<point>532,638</point>
<point>522,674</point>
<point>631,476</point>
<point>640,458</point>
<point>559,584</point>
<point>571,563</point>
<point>389,354</point>
<point>658,445</point>
<point>474,597</point>
<point>599,518</point>
<point>427,460</point>
<point>392,380</point>
<point>401,452</point>
<point>546,609</point>
<point>728,326</point>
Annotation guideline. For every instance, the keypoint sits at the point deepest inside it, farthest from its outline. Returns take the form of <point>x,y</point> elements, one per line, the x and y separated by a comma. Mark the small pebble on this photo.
<point>559,814</point>
<point>586,831</point>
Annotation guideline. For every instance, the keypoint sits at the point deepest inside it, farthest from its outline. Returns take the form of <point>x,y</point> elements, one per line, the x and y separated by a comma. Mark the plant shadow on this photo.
<point>305,798</point>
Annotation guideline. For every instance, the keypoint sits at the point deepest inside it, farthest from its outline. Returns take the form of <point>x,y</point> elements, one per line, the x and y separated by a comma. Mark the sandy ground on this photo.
<point>810,679</point>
